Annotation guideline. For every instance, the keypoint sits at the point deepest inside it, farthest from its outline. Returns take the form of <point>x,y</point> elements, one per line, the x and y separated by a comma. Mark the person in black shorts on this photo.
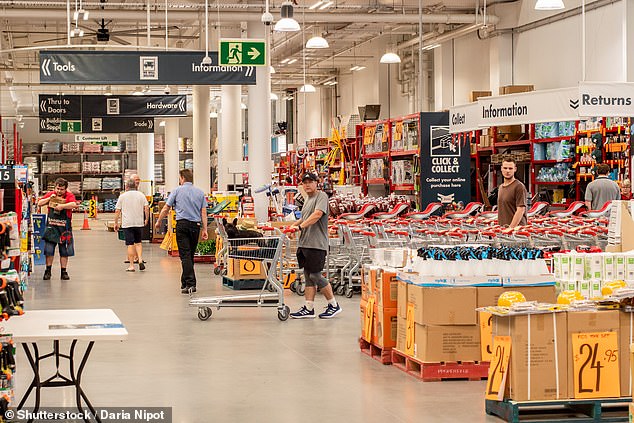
<point>312,250</point>
<point>133,209</point>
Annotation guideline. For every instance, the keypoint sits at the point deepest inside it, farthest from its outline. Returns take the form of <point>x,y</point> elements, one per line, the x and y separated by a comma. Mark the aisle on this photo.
<point>241,365</point>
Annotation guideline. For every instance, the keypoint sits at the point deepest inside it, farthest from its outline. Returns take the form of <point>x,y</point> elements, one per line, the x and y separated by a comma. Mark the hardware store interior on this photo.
<point>297,211</point>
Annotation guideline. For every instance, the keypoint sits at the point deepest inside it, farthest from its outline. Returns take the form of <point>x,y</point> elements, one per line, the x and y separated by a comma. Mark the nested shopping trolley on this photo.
<point>268,251</point>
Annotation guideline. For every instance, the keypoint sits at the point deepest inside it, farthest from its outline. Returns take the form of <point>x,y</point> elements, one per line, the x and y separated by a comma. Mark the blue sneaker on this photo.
<point>303,313</point>
<point>330,312</point>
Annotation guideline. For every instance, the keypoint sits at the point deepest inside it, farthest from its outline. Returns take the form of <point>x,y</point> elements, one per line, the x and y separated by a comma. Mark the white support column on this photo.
<point>309,116</point>
<point>171,154</point>
<point>202,173</point>
<point>443,76</point>
<point>259,113</point>
<point>500,62</point>
<point>145,161</point>
<point>229,134</point>
<point>628,41</point>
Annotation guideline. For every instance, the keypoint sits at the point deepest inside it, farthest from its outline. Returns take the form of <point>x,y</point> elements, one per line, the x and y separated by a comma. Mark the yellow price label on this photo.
<point>596,365</point>
<point>486,335</point>
<point>409,332</point>
<point>368,136</point>
<point>398,131</point>
<point>498,368</point>
<point>368,318</point>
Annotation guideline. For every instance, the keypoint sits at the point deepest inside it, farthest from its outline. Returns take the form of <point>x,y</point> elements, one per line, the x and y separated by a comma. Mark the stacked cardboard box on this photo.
<point>516,89</point>
<point>380,285</point>
<point>475,95</point>
<point>545,341</point>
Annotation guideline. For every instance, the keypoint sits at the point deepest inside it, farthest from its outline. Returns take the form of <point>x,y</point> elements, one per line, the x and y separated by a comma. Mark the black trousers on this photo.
<point>187,233</point>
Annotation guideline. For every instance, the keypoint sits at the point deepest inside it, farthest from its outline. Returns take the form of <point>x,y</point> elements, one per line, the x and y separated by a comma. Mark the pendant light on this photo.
<point>307,88</point>
<point>286,23</point>
<point>317,41</point>
<point>549,5</point>
<point>206,60</point>
<point>390,58</point>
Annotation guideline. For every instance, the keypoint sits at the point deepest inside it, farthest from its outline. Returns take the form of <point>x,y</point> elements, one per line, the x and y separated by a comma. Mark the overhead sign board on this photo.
<point>242,51</point>
<point>533,107</point>
<point>606,99</point>
<point>464,118</point>
<point>134,105</point>
<point>118,125</point>
<point>142,68</point>
<point>54,105</point>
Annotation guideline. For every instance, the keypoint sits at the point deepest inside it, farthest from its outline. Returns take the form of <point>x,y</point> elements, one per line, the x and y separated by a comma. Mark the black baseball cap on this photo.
<point>309,175</point>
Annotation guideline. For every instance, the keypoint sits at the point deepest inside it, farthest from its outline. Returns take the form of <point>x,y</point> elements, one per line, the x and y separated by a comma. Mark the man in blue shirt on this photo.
<point>191,211</point>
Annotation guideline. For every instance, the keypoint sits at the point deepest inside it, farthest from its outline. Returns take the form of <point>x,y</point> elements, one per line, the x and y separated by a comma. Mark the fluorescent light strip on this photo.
<point>326,5</point>
<point>285,61</point>
<point>290,62</point>
<point>316,5</point>
<point>431,47</point>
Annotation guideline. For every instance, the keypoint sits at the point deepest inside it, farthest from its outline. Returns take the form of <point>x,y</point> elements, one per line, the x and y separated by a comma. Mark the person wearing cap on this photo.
<point>312,249</point>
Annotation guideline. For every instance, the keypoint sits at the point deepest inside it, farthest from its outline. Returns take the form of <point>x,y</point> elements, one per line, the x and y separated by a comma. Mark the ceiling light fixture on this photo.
<point>357,68</point>
<point>430,47</point>
<point>286,23</point>
<point>326,5</point>
<point>108,90</point>
<point>274,97</point>
<point>285,61</point>
<point>307,88</point>
<point>243,106</point>
<point>389,58</point>
<point>317,42</point>
<point>290,62</point>
<point>271,70</point>
<point>213,115</point>
<point>330,83</point>
<point>549,5</point>
<point>162,123</point>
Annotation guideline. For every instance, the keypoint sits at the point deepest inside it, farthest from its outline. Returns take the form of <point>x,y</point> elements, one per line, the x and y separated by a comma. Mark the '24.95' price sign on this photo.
<point>596,365</point>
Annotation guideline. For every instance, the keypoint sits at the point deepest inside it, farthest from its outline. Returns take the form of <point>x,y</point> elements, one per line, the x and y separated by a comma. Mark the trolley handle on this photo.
<point>267,228</point>
<point>290,229</point>
<point>368,233</point>
<point>403,233</point>
<point>523,233</point>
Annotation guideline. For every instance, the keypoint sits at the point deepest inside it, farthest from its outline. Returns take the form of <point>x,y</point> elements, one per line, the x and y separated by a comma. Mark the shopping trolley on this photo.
<point>267,250</point>
<point>220,267</point>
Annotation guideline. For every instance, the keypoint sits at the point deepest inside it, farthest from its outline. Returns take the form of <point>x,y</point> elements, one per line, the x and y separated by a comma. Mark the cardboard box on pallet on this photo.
<point>367,281</point>
<point>475,95</point>
<point>385,288</point>
<point>363,305</point>
<point>443,306</point>
<point>401,333</point>
<point>626,337</point>
<point>516,89</point>
<point>587,322</point>
<point>488,295</point>
<point>402,299</point>
<point>384,327</point>
<point>446,343</point>
<point>546,354</point>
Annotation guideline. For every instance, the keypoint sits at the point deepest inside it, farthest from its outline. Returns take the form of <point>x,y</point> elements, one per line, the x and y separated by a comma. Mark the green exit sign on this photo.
<point>242,52</point>
<point>66,126</point>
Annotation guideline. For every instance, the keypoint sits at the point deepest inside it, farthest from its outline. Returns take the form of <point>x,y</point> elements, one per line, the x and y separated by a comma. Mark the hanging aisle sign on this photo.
<point>606,99</point>
<point>533,107</point>
<point>140,68</point>
<point>464,118</point>
<point>444,161</point>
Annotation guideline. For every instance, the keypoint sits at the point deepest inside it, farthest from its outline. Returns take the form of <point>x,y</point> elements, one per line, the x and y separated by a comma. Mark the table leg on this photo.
<point>34,361</point>
<point>77,378</point>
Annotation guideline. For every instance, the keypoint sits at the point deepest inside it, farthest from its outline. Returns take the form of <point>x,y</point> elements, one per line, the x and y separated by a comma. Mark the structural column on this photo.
<point>171,154</point>
<point>202,133</point>
<point>443,76</point>
<point>229,134</point>
<point>145,162</point>
<point>259,113</point>
<point>500,62</point>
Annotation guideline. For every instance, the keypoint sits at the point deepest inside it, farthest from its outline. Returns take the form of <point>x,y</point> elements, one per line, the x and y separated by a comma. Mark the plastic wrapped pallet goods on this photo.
<point>69,167</point>
<point>128,174</point>
<point>31,148</point>
<point>158,173</point>
<point>32,164</point>
<point>112,148</point>
<point>91,167</point>
<point>51,147</point>
<point>92,184</point>
<point>189,163</point>
<point>159,144</point>
<point>51,166</point>
<point>71,147</point>
<point>109,204</point>
<point>91,148</point>
<point>111,166</point>
<point>111,183</point>
<point>74,187</point>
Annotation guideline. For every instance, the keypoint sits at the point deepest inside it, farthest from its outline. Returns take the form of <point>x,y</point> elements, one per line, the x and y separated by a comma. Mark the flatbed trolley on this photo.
<point>267,250</point>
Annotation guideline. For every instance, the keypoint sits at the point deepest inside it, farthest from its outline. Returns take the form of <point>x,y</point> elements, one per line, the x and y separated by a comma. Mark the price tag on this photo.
<point>368,318</point>
<point>409,333</point>
<point>498,368</point>
<point>486,335</point>
<point>596,365</point>
<point>7,175</point>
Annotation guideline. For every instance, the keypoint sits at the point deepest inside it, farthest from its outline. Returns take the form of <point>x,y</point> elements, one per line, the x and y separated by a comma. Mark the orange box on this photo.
<point>386,289</point>
<point>368,275</point>
<point>384,327</point>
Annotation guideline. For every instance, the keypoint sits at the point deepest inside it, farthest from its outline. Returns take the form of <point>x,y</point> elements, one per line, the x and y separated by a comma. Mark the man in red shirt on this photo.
<point>59,229</point>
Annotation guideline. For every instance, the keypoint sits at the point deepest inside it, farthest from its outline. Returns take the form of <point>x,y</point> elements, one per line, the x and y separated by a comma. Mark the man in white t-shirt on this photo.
<point>133,210</point>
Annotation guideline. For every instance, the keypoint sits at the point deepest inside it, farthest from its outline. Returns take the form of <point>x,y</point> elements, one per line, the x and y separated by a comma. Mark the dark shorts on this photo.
<point>311,260</point>
<point>133,235</point>
<point>65,250</point>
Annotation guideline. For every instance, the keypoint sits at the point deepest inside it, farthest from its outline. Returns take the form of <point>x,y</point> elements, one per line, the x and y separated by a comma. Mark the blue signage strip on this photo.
<point>140,68</point>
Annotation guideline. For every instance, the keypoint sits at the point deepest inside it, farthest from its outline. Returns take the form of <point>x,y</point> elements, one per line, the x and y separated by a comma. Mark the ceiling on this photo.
<point>353,29</point>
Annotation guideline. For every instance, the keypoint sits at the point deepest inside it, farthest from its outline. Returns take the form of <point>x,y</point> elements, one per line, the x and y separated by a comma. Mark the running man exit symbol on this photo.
<point>242,52</point>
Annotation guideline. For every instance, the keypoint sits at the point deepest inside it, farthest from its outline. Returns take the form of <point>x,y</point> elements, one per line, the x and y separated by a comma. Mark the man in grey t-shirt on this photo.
<point>313,248</point>
<point>602,189</point>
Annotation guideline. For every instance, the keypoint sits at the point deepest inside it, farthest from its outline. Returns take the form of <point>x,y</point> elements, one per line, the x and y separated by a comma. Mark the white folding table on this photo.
<point>88,325</point>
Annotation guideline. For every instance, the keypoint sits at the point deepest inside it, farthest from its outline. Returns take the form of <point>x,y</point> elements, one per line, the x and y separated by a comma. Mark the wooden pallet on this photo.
<point>382,355</point>
<point>436,372</point>
<point>579,411</point>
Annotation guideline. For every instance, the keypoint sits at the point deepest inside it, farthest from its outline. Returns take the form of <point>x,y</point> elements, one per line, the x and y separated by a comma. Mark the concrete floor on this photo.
<point>241,365</point>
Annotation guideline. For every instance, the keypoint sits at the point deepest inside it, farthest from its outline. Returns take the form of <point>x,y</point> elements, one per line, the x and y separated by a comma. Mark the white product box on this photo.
<point>595,288</point>
<point>565,267</point>
<point>629,266</point>
<point>557,266</point>
<point>619,266</point>
<point>578,267</point>
<point>609,270</point>
<point>571,286</point>
<point>584,288</point>
<point>594,266</point>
